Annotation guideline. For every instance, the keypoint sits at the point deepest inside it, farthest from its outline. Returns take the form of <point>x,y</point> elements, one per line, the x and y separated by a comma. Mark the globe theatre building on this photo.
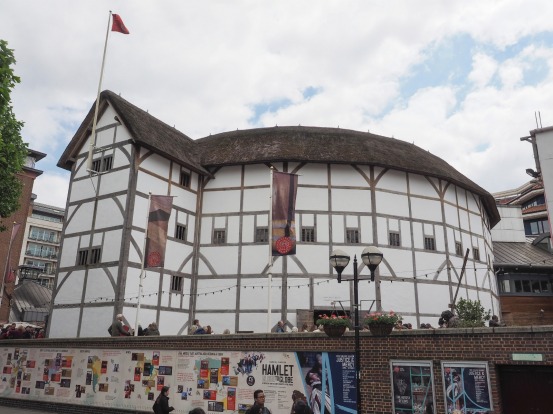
<point>354,189</point>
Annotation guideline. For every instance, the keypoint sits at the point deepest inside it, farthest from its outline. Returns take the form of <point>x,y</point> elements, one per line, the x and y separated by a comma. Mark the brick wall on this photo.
<point>495,346</point>
<point>27,177</point>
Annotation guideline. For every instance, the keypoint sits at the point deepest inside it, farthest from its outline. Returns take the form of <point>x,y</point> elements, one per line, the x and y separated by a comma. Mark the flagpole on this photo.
<point>6,266</point>
<point>270,280</point>
<point>142,264</point>
<point>93,135</point>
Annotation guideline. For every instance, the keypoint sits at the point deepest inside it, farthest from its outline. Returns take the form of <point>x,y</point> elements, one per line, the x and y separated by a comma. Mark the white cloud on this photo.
<point>202,66</point>
<point>51,188</point>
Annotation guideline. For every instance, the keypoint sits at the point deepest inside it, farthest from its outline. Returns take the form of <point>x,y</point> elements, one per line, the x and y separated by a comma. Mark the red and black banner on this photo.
<point>158,220</point>
<point>285,188</point>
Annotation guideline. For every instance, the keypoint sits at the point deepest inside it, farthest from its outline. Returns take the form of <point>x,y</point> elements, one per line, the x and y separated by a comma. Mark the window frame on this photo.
<point>308,232</point>
<point>430,243</point>
<point>356,236</point>
<point>458,248</point>
<point>185,179</point>
<point>476,253</point>
<point>178,281</point>
<point>219,240</point>
<point>180,232</point>
<point>391,241</point>
<point>261,235</point>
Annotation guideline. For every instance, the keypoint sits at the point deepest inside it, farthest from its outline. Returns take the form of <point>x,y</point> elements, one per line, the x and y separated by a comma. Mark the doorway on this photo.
<point>526,388</point>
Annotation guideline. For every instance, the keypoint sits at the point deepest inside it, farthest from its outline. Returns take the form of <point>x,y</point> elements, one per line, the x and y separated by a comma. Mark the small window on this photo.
<point>82,257</point>
<point>184,179</point>
<point>476,253</point>
<point>176,283</point>
<point>429,243</point>
<point>219,237</point>
<point>180,232</point>
<point>103,164</point>
<point>393,239</point>
<point>261,235</point>
<point>107,163</point>
<point>95,255</point>
<point>308,234</point>
<point>352,236</point>
<point>458,249</point>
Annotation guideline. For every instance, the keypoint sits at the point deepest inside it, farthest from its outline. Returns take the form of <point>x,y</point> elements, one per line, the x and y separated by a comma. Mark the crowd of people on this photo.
<point>13,331</point>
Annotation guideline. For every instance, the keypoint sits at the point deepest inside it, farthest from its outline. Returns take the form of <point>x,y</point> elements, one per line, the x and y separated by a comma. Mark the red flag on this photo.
<point>15,229</point>
<point>118,25</point>
<point>284,220</point>
<point>158,220</point>
<point>10,275</point>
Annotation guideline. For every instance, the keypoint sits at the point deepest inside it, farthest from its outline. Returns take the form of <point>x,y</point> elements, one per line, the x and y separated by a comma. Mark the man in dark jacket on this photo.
<point>258,406</point>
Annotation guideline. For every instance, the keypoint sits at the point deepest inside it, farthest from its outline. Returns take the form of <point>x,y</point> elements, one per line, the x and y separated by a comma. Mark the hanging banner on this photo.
<point>467,387</point>
<point>158,220</point>
<point>412,387</point>
<point>284,215</point>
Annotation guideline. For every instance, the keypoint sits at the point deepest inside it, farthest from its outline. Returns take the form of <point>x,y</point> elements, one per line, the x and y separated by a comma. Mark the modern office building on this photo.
<point>354,189</point>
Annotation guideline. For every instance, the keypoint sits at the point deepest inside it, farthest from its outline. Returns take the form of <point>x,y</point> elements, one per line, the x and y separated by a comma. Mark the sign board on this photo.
<point>412,387</point>
<point>467,387</point>
<point>528,357</point>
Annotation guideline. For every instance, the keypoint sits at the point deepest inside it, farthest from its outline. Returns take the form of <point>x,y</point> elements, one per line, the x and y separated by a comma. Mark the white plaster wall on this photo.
<point>254,258</point>
<point>425,209</point>
<point>82,219</point>
<point>298,294</point>
<point>393,180</point>
<point>68,252</point>
<point>233,229</point>
<point>399,259</point>
<point>111,248</point>
<point>312,174</point>
<point>63,323</point>
<point>108,214</point>
<point>255,295</point>
<point>366,229</point>
<point>326,291</point>
<point>211,297</point>
<point>323,228</point>
<point>226,177</point>
<point>344,175</point>
<point>207,229</point>
<point>221,201</point>
<point>405,235</point>
<point>184,198</point>
<point>157,164</point>
<point>257,199</point>
<point>256,174</point>
<point>313,199</point>
<point>382,230</point>
<point>71,289</point>
<point>354,200</point>
<point>96,321</point>
<point>248,228</point>
<point>391,204</point>
<point>433,298</point>
<point>175,254</point>
<point>419,185</point>
<point>476,225</point>
<point>338,231</point>
<point>400,300</point>
<point>223,259</point>
<point>313,257</point>
<point>83,189</point>
<point>147,183</point>
<point>99,285</point>
<point>451,215</point>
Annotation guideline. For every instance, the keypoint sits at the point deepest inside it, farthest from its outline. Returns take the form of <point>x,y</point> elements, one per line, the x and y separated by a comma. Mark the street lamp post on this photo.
<point>339,259</point>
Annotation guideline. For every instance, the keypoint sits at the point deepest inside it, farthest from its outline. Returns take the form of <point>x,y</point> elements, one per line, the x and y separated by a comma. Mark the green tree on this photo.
<point>13,150</point>
<point>471,313</point>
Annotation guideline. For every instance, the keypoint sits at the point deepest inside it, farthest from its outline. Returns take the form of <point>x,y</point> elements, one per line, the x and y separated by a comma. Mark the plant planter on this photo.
<point>334,331</point>
<point>381,329</point>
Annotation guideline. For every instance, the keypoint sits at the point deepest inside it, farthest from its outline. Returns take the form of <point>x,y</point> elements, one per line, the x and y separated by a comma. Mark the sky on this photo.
<point>461,79</point>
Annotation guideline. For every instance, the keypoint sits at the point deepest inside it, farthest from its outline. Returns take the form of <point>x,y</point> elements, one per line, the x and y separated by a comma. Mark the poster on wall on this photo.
<point>217,381</point>
<point>412,387</point>
<point>466,387</point>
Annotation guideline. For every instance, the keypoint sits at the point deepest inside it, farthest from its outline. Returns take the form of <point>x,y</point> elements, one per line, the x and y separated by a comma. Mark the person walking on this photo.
<point>161,406</point>
<point>258,406</point>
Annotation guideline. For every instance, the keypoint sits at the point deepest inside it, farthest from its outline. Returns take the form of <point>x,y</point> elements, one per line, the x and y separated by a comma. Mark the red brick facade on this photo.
<point>27,177</point>
<point>494,346</point>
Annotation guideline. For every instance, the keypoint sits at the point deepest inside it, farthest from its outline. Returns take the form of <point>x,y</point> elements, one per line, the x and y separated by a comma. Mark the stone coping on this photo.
<point>73,342</point>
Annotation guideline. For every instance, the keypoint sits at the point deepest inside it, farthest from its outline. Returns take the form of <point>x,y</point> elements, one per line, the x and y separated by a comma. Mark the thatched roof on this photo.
<point>292,144</point>
<point>145,129</point>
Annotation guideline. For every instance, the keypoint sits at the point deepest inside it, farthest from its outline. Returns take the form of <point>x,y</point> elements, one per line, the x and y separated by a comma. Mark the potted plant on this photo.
<point>334,325</point>
<point>382,323</point>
